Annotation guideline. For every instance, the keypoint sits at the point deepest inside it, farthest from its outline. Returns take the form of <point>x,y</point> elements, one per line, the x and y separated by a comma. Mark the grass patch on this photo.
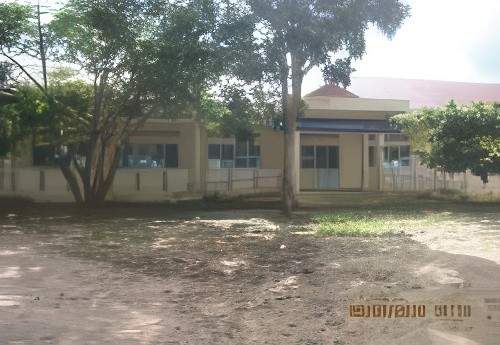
<point>372,224</point>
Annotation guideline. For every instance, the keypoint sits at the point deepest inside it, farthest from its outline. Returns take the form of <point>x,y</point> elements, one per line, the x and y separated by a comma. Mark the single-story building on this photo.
<point>344,143</point>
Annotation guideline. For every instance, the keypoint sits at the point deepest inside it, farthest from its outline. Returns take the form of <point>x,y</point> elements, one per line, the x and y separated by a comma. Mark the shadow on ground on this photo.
<point>224,277</point>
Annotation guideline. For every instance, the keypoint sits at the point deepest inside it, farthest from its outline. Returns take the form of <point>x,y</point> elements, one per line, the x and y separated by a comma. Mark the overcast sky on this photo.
<point>456,40</point>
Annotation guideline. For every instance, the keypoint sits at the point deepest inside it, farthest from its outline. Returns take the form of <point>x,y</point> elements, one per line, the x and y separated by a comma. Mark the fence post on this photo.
<point>435,180</point>
<point>229,179</point>
<point>42,181</point>
<point>165,180</point>
<point>2,175</point>
<point>414,172</point>
<point>13,180</point>
<point>394,182</point>
<point>465,181</point>
<point>138,181</point>
<point>255,179</point>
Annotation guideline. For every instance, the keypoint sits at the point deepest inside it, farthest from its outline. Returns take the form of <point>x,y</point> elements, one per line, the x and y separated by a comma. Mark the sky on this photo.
<point>455,40</point>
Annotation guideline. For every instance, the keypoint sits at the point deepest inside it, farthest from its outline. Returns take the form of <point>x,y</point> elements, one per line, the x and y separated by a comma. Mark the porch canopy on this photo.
<point>345,125</point>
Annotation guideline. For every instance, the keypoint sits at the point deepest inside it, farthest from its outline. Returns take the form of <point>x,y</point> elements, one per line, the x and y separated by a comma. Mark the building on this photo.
<point>344,143</point>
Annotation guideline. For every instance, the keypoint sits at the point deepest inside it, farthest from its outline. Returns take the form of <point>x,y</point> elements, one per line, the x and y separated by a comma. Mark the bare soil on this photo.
<point>147,276</point>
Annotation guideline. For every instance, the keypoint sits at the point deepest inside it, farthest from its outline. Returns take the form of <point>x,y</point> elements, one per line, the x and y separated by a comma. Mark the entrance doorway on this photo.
<point>320,167</point>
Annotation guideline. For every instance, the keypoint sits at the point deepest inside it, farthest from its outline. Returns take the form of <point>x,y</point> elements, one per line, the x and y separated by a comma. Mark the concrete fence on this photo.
<point>49,185</point>
<point>419,178</point>
<point>138,185</point>
<point>240,181</point>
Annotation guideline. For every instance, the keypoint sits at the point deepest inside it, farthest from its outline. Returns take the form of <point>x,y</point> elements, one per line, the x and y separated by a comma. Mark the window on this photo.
<point>395,137</point>
<point>333,157</point>
<point>393,153</point>
<point>220,156</point>
<point>213,151</point>
<point>171,156</point>
<point>399,154</point>
<point>227,155</point>
<point>404,155</point>
<point>150,156</point>
<point>247,154</point>
<point>371,156</point>
<point>241,148</point>
<point>307,157</point>
<point>320,157</point>
<point>44,155</point>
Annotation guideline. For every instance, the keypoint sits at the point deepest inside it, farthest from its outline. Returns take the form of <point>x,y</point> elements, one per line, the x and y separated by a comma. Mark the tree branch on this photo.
<point>38,85</point>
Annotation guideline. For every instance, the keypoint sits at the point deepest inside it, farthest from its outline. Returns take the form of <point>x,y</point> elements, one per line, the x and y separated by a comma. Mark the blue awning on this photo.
<point>346,125</point>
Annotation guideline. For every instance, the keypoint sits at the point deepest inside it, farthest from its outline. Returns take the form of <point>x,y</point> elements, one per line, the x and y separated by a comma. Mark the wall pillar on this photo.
<point>365,174</point>
<point>196,174</point>
<point>296,176</point>
<point>379,153</point>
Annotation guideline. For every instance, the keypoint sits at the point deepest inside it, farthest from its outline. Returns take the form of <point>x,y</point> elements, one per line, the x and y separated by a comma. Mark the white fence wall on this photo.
<point>420,178</point>
<point>243,180</point>
<point>49,185</point>
<point>141,185</point>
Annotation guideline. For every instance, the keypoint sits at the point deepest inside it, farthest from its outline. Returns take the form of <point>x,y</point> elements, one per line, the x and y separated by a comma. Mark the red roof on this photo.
<point>332,91</point>
<point>425,93</point>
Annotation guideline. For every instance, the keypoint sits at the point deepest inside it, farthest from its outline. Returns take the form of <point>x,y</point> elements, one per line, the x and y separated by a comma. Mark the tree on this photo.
<point>34,117</point>
<point>18,38</point>
<point>293,36</point>
<point>239,112</point>
<point>456,138</point>
<point>145,58</point>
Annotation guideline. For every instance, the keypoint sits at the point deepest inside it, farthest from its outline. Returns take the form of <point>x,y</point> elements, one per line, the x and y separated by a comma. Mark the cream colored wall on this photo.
<point>348,114</point>
<point>353,108</point>
<point>373,179</point>
<point>350,149</point>
<point>357,104</point>
<point>191,140</point>
<point>271,148</point>
<point>351,146</point>
<point>320,139</point>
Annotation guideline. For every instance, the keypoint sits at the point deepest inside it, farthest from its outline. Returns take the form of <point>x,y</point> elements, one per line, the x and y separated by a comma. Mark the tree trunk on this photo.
<point>290,188</point>
<point>90,186</point>
<point>70,176</point>
<point>286,187</point>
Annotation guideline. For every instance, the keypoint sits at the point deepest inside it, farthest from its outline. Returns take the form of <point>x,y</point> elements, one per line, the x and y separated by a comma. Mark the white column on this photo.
<point>365,174</point>
<point>296,176</point>
<point>196,181</point>
<point>379,150</point>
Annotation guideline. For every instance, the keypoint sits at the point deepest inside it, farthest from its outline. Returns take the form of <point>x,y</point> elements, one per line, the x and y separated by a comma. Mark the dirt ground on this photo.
<point>138,276</point>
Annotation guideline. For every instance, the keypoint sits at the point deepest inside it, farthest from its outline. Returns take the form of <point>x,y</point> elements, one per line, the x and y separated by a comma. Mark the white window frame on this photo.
<point>217,163</point>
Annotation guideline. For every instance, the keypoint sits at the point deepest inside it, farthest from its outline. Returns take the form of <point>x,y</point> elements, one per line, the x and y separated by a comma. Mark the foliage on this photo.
<point>456,138</point>
<point>292,37</point>
<point>14,24</point>
<point>41,119</point>
<point>238,112</point>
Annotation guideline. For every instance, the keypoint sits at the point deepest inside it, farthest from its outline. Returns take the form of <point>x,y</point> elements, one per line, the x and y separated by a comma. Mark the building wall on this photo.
<point>188,135</point>
<point>271,148</point>
<point>351,106</point>
<point>347,114</point>
<point>351,151</point>
<point>320,139</point>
